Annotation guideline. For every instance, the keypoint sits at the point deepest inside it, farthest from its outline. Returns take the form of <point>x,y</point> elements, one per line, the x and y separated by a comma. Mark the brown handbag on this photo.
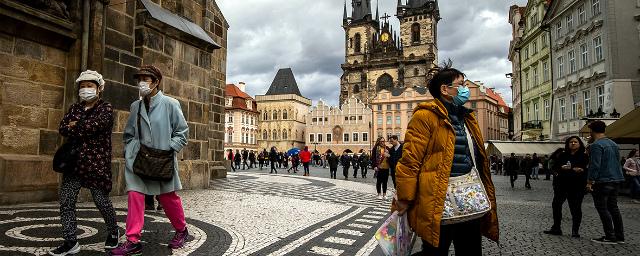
<point>151,163</point>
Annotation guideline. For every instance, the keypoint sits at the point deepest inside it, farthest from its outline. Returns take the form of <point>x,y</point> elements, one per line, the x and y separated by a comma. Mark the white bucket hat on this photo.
<point>91,75</point>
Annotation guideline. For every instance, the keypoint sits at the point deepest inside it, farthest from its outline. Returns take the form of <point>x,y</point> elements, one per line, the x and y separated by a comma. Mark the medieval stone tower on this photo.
<point>377,58</point>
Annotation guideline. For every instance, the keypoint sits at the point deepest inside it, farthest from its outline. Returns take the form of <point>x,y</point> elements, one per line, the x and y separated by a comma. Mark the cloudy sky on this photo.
<point>306,35</point>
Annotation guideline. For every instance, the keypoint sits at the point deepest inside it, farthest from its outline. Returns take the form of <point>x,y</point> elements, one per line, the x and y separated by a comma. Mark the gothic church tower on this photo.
<point>377,58</point>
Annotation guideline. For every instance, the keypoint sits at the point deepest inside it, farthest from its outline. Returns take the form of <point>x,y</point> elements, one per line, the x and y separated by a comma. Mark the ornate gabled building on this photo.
<point>241,119</point>
<point>377,58</point>
<point>339,128</point>
<point>282,113</point>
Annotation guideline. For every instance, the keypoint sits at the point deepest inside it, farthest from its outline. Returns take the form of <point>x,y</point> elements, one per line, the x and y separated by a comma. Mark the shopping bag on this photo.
<point>394,236</point>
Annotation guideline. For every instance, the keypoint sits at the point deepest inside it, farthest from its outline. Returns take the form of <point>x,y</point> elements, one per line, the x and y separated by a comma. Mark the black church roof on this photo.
<point>284,83</point>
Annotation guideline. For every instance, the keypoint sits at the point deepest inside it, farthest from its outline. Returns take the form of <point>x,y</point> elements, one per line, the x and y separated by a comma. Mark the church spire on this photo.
<point>377,10</point>
<point>344,14</point>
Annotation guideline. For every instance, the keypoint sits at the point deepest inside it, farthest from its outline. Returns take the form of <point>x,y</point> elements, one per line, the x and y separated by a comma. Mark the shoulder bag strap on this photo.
<point>471,148</point>
<point>139,129</point>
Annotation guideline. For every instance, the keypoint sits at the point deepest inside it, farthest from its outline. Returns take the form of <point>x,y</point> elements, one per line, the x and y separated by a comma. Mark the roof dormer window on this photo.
<point>229,101</point>
<point>249,104</point>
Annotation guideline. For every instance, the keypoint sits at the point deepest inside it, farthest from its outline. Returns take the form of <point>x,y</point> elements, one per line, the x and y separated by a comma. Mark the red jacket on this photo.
<point>305,156</point>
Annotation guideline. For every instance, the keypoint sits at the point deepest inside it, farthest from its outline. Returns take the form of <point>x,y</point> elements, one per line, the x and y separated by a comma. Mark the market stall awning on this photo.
<point>626,130</point>
<point>505,148</point>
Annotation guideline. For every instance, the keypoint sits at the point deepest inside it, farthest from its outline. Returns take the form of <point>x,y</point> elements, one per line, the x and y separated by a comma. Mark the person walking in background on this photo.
<point>395,153</point>
<point>261,159</point>
<point>305,158</point>
<point>295,161</point>
<point>512,167</point>
<point>285,160</point>
<point>345,161</point>
<point>162,115</point>
<point>245,159</point>
<point>354,164</point>
<point>604,179</point>
<point>273,158</point>
<point>332,161</point>
<point>444,129</point>
<point>535,166</point>
<point>87,125</point>
<point>569,185</point>
<point>525,167</point>
<point>280,159</point>
<point>252,159</point>
<point>363,161</point>
<point>230,158</point>
<point>632,168</point>
<point>380,161</point>
<point>238,159</point>
<point>547,168</point>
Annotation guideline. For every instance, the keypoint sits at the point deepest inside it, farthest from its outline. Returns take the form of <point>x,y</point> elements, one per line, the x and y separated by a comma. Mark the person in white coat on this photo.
<point>162,127</point>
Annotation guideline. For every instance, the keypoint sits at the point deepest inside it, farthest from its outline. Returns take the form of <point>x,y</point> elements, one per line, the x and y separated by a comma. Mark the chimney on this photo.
<point>242,86</point>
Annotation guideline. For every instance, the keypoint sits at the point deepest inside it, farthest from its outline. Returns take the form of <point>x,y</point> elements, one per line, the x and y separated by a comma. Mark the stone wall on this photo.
<point>40,59</point>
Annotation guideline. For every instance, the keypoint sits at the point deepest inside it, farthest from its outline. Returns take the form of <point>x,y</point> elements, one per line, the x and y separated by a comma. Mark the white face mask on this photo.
<point>88,94</point>
<point>144,88</point>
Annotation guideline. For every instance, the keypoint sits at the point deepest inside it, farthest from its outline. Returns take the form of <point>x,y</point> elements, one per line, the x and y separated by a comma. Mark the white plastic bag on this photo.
<point>395,237</point>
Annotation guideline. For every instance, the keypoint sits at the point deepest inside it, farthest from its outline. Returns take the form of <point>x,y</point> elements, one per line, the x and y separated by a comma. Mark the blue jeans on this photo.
<point>534,173</point>
<point>635,186</point>
<point>605,199</point>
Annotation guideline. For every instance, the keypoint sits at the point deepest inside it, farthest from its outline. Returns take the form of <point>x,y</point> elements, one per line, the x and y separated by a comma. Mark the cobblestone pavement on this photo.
<point>255,213</point>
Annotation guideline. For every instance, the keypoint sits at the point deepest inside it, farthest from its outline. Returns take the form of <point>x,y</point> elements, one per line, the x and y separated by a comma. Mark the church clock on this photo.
<point>384,37</point>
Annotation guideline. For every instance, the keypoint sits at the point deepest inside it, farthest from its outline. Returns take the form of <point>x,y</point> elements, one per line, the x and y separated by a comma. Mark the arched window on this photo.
<point>358,43</point>
<point>415,72</point>
<point>275,115</point>
<point>264,135</point>
<point>275,135</point>
<point>356,88</point>
<point>284,114</point>
<point>265,115</point>
<point>284,134</point>
<point>415,33</point>
<point>385,81</point>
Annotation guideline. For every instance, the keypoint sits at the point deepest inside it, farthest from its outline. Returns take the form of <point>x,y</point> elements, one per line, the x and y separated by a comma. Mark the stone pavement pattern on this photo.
<point>256,213</point>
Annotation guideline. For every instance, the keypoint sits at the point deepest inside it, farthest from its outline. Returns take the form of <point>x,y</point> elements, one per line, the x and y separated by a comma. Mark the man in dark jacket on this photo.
<point>396,152</point>
<point>332,160</point>
<point>526,166</point>
<point>345,160</point>
<point>354,163</point>
<point>363,161</point>
<point>273,158</point>
<point>252,159</point>
<point>511,168</point>
<point>245,158</point>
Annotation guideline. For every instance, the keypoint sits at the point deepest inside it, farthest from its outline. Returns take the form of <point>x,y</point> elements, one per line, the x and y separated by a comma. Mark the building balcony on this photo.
<point>532,125</point>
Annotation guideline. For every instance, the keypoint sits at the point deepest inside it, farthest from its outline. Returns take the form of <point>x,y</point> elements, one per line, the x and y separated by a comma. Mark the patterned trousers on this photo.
<point>68,199</point>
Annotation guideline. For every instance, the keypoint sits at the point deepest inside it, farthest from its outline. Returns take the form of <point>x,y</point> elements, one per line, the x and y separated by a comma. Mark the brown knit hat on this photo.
<point>149,70</point>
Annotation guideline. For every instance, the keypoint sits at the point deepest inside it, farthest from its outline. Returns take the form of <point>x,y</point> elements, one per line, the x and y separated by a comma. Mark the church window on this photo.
<point>265,116</point>
<point>275,135</point>
<point>415,33</point>
<point>356,88</point>
<point>275,115</point>
<point>264,135</point>
<point>284,134</point>
<point>385,82</point>
<point>358,39</point>
<point>284,114</point>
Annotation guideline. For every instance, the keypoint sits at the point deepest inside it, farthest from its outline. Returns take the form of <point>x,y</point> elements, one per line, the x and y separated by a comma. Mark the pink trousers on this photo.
<point>135,215</point>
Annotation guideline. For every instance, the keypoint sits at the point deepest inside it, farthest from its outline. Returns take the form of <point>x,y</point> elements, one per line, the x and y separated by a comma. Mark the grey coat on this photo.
<point>164,127</point>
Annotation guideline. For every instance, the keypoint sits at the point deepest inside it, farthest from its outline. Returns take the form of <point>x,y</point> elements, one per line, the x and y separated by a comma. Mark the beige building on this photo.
<point>393,109</point>
<point>517,21</point>
<point>339,128</point>
<point>283,113</point>
<point>241,119</point>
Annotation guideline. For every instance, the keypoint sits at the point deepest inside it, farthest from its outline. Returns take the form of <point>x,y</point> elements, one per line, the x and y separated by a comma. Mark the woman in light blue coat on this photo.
<point>162,127</point>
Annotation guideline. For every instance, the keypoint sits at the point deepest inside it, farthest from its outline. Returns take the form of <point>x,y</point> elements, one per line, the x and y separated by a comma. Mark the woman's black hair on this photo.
<point>582,148</point>
<point>444,74</point>
<point>632,153</point>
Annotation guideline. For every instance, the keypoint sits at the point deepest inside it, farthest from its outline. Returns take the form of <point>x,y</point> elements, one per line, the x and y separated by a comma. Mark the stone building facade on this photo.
<point>535,73</point>
<point>392,110</point>
<point>516,19</point>
<point>241,119</point>
<point>283,113</point>
<point>595,49</point>
<point>377,58</point>
<point>339,128</point>
<point>43,48</point>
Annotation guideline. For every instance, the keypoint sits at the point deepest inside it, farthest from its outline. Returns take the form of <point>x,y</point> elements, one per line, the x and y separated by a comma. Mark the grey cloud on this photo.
<point>307,36</point>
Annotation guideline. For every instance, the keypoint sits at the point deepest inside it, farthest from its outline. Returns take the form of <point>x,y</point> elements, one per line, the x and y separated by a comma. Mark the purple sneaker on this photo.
<point>127,249</point>
<point>179,239</point>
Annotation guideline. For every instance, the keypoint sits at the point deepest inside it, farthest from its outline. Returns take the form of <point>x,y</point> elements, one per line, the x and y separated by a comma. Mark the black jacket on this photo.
<point>345,160</point>
<point>395,156</point>
<point>333,161</point>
